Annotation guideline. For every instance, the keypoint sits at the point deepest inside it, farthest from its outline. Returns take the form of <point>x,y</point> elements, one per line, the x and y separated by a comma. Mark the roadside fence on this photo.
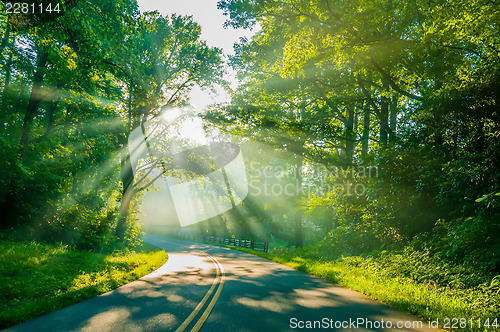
<point>249,244</point>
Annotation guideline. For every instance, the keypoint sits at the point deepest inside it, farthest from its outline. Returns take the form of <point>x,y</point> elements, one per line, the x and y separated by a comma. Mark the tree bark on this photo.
<point>349,135</point>
<point>34,101</point>
<point>299,236</point>
<point>50,116</point>
<point>6,37</point>
<point>127,178</point>
<point>393,120</point>
<point>384,116</point>
<point>5,88</point>
<point>366,132</point>
<point>8,65</point>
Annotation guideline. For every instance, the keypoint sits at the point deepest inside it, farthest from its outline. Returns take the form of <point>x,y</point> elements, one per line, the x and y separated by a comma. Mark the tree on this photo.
<point>165,58</point>
<point>54,79</point>
<point>394,76</point>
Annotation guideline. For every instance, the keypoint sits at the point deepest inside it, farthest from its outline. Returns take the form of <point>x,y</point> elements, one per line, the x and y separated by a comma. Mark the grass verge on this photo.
<point>459,299</point>
<point>38,278</point>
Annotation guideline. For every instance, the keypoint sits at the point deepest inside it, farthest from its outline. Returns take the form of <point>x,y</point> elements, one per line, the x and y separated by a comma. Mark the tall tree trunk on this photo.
<point>5,89</point>
<point>8,66</point>
<point>384,107</point>
<point>349,135</point>
<point>299,213</point>
<point>50,116</point>
<point>366,132</point>
<point>34,101</point>
<point>366,119</point>
<point>127,178</point>
<point>393,120</point>
<point>384,116</point>
<point>6,196</point>
<point>6,37</point>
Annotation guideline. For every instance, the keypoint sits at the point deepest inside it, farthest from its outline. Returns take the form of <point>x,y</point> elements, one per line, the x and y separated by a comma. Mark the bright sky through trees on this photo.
<point>369,131</point>
<point>211,20</point>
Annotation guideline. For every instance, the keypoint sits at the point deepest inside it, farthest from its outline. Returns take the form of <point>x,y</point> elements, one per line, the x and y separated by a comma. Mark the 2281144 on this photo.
<point>31,8</point>
<point>456,323</point>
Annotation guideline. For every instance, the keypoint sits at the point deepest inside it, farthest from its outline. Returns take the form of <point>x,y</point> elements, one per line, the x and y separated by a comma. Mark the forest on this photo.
<point>367,127</point>
<point>383,114</point>
<point>75,83</point>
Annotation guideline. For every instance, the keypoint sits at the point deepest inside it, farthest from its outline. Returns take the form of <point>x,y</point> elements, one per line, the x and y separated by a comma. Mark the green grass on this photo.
<point>411,282</point>
<point>38,278</point>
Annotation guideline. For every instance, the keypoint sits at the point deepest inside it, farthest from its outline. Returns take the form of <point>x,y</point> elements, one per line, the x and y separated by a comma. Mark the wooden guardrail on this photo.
<point>250,244</point>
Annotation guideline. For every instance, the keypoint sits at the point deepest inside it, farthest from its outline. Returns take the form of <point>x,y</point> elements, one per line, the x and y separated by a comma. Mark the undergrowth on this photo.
<point>38,278</point>
<point>410,280</point>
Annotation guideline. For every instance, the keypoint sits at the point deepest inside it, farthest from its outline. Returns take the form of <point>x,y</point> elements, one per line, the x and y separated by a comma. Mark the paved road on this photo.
<point>218,289</point>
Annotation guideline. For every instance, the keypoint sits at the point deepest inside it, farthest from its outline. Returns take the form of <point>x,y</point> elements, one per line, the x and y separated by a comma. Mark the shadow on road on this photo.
<point>258,295</point>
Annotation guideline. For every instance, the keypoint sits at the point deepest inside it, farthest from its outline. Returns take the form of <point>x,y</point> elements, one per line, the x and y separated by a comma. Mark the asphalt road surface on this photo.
<point>210,288</point>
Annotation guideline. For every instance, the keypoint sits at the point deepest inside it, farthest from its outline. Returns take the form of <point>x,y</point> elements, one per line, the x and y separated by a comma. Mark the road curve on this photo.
<point>210,288</point>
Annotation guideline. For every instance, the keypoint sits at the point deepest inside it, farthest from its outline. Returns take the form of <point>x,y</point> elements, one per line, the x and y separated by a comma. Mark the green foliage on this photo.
<point>40,278</point>
<point>411,280</point>
<point>133,233</point>
<point>73,86</point>
<point>410,88</point>
<point>85,221</point>
<point>57,145</point>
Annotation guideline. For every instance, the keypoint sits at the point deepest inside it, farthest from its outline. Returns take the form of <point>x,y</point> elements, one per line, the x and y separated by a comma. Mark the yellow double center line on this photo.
<point>218,281</point>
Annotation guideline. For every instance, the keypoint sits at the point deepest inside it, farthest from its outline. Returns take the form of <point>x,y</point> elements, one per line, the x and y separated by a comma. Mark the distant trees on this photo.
<point>74,85</point>
<point>59,121</point>
<point>410,87</point>
<point>162,60</point>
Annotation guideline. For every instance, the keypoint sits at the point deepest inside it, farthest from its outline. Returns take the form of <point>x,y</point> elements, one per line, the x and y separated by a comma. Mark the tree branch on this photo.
<point>392,83</point>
